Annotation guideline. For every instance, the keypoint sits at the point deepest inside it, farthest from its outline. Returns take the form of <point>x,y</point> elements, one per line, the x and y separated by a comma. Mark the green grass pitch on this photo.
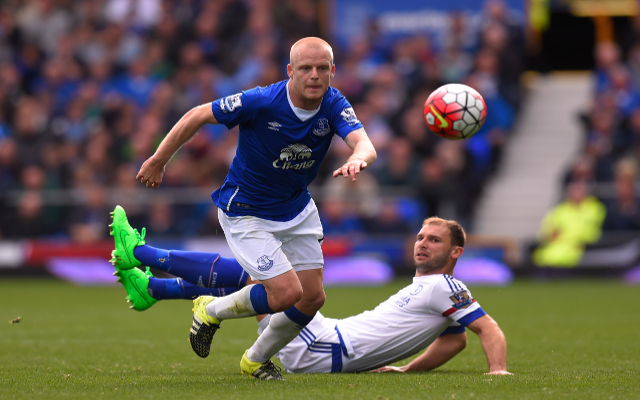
<point>566,340</point>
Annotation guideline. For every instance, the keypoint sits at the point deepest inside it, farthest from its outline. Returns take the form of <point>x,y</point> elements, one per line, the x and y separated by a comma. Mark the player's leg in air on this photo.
<point>280,289</point>
<point>198,274</point>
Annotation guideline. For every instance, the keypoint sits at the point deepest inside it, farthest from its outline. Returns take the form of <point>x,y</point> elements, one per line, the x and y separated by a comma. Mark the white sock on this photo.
<point>264,323</point>
<point>235,305</point>
<point>281,330</point>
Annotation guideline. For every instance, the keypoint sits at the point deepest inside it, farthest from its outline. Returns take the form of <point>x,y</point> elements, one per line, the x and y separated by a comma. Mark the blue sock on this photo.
<point>201,269</point>
<point>298,317</point>
<point>259,302</point>
<point>176,288</point>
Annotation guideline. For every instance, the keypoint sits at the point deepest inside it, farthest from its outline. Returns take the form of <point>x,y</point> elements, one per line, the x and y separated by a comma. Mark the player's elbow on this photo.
<point>373,154</point>
<point>491,331</point>
<point>200,115</point>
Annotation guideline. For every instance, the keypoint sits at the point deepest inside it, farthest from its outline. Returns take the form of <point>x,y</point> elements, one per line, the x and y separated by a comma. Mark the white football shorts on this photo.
<point>266,249</point>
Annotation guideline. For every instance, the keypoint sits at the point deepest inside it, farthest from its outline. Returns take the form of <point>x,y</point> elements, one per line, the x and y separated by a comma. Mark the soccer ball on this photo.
<point>455,111</point>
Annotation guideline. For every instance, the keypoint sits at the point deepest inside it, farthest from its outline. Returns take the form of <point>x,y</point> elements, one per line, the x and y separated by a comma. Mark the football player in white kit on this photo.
<point>431,313</point>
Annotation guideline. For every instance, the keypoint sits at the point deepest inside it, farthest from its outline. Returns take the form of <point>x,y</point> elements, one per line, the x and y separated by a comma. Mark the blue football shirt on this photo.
<point>279,151</point>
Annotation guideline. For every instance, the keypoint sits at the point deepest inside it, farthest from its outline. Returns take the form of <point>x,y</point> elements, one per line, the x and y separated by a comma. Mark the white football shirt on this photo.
<point>400,327</point>
<point>408,321</point>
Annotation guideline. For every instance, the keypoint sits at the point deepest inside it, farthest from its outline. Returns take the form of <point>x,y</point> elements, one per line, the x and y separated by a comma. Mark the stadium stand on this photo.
<point>89,88</point>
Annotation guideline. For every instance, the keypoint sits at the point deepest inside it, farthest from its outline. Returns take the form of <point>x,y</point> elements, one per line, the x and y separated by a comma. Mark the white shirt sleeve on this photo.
<point>451,298</point>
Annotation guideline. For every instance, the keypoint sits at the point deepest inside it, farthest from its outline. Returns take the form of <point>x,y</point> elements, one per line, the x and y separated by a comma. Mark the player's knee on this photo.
<point>319,300</point>
<point>286,299</point>
<point>313,301</point>
<point>460,341</point>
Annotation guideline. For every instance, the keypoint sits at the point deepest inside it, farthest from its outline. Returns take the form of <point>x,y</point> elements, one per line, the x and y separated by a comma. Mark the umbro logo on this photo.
<point>274,126</point>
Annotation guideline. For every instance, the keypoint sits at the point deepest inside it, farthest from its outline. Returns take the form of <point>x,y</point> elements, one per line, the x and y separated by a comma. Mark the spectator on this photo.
<point>582,169</point>
<point>390,219</point>
<point>400,165</point>
<point>568,227</point>
<point>8,165</point>
<point>339,220</point>
<point>623,211</point>
<point>30,219</point>
<point>88,221</point>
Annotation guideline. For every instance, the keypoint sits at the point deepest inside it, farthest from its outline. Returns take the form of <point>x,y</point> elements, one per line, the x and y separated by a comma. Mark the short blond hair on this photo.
<point>456,231</point>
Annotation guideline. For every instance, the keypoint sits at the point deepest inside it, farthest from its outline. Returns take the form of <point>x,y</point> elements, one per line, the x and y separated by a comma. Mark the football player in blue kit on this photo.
<point>269,219</point>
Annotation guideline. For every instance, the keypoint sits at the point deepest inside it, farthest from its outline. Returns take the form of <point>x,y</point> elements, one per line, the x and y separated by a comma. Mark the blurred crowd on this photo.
<point>601,192</point>
<point>89,88</point>
<point>609,161</point>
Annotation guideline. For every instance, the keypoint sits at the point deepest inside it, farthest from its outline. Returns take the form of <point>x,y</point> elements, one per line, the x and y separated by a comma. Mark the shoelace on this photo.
<point>140,236</point>
<point>272,369</point>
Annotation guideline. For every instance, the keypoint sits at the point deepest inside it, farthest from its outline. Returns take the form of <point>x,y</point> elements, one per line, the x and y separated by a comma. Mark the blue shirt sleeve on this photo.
<point>472,316</point>
<point>453,330</point>
<point>237,108</point>
<point>345,120</point>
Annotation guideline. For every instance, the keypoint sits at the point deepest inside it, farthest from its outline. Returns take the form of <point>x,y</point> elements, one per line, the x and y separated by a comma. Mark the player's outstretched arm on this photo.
<point>493,343</point>
<point>439,352</point>
<point>363,154</point>
<point>152,170</point>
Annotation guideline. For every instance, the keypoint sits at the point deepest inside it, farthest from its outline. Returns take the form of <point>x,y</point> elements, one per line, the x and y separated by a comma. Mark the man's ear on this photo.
<point>289,71</point>
<point>457,252</point>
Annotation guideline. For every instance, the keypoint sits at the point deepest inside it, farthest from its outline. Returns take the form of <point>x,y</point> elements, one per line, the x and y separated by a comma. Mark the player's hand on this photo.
<point>388,368</point>
<point>350,168</point>
<point>502,372</point>
<point>151,173</point>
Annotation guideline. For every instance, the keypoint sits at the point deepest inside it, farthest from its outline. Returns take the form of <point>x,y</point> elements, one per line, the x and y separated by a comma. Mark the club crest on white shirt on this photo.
<point>230,103</point>
<point>416,290</point>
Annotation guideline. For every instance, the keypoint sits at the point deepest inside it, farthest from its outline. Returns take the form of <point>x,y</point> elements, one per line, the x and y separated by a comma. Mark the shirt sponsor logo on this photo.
<point>461,299</point>
<point>403,301</point>
<point>214,277</point>
<point>322,127</point>
<point>349,116</point>
<point>294,156</point>
<point>264,263</point>
<point>230,103</point>
<point>274,125</point>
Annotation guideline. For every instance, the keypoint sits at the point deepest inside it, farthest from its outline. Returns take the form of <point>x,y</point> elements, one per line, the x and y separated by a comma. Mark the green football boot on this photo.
<point>136,283</point>
<point>126,239</point>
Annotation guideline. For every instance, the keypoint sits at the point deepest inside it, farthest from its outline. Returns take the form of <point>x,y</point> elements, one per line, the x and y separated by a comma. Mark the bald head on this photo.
<point>309,43</point>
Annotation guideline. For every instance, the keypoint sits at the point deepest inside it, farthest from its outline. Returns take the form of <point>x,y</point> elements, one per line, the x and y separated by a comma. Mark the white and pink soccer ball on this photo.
<point>455,111</point>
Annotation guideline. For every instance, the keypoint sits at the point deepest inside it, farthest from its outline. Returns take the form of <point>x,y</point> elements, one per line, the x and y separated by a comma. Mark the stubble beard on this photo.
<point>433,264</point>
